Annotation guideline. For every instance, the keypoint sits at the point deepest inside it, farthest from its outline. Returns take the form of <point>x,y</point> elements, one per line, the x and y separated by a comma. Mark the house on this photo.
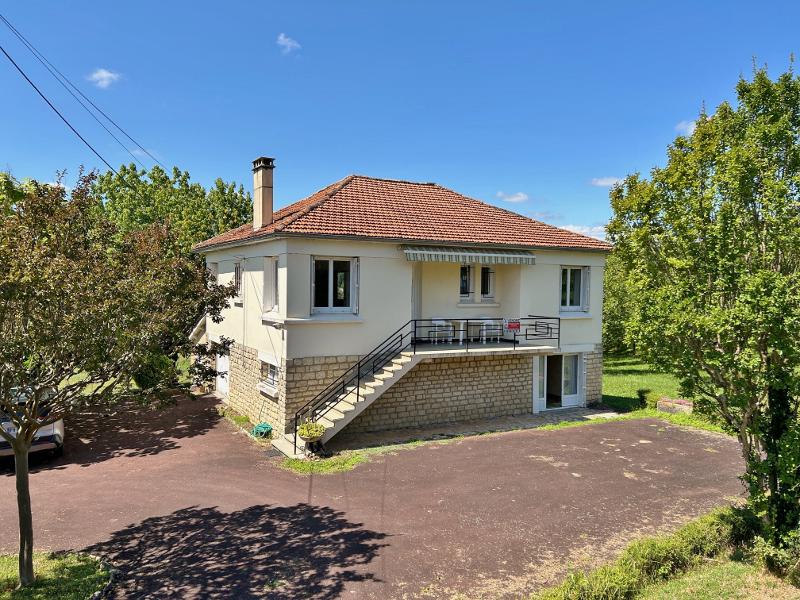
<point>377,304</point>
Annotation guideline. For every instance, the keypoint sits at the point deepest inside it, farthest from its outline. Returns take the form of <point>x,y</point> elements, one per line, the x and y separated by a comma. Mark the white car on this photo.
<point>49,437</point>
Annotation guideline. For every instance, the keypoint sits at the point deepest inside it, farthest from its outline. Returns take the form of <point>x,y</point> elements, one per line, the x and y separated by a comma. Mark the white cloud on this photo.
<point>287,44</point>
<point>103,78</point>
<point>518,197</point>
<point>685,127</point>
<point>546,215</point>
<point>606,181</point>
<point>595,231</point>
<point>142,154</point>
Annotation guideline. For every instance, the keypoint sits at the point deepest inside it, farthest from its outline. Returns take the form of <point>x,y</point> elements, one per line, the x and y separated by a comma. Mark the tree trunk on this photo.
<point>779,416</point>
<point>25,515</point>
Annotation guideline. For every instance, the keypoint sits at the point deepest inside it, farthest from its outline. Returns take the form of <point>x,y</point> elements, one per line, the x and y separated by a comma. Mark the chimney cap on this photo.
<point>263,162</point>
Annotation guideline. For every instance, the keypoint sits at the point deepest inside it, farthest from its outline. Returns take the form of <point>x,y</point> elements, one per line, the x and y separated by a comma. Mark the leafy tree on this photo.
<point>81,307</point>
<point>711,242</point>
<point>136,199</point>
<point>616,307</point>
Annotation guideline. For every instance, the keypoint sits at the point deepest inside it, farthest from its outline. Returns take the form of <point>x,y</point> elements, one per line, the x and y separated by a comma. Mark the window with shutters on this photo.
<point>574,289</point>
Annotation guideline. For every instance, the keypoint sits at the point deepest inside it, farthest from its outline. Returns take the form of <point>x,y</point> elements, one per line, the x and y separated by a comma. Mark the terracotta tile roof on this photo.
<point>366,207</point>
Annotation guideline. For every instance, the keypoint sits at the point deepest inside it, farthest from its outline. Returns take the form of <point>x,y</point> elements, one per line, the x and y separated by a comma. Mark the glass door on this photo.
<point>570,380</point>
<point>539,383</point>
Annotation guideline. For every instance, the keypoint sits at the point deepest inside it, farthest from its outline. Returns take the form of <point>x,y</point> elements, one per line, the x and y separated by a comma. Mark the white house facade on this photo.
<point>380,304</point>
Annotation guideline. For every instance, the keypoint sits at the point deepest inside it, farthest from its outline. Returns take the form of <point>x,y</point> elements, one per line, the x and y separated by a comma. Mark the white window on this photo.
<point>487,283</point>
<point>213,269</point>
<point>465,283</point>
<point>269,373</point>
<point>574,289</point>
<point>237,280</point>
<point>476,277</point>
<point>334,284</point>
<point>269,377</point>
<point>270,292</point>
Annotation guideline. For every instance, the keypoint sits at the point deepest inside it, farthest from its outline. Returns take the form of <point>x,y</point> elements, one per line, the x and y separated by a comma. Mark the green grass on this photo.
<point>63,576</point>
<point>623,375</point>
<point>350,459</point>
<point>722,579</point>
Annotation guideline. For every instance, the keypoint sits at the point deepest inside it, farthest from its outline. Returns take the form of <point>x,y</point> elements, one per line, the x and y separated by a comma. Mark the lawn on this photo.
<point>623,375</point>
<point>63,576</point>
<point>722,578</point>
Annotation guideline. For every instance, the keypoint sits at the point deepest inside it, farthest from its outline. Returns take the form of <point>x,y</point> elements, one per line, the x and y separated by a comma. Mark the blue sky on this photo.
<point>533,106</point>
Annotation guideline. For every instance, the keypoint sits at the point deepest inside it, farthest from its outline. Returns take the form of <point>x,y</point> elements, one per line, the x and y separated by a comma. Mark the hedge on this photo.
<point>658,558</point>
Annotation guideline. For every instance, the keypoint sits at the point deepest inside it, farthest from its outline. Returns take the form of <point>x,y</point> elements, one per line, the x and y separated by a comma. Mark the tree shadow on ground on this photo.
<point>126,430</point>
<point>299,551</point>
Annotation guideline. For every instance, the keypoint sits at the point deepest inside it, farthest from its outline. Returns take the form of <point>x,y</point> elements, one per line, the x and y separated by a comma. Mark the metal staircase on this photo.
<point>368,379</point>
<point>351,402</point>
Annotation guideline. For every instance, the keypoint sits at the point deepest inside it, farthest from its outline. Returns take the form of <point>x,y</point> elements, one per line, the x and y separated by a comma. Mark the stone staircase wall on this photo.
<point>452,389</point>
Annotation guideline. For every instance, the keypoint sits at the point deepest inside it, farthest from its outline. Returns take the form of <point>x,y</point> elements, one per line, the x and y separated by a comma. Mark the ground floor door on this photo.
<point>557,381</point>
<point>223,378</point>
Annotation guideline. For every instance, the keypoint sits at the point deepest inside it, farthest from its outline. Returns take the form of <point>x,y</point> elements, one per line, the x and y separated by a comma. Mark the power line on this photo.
<point>65,82</point>
<point>55,110</point>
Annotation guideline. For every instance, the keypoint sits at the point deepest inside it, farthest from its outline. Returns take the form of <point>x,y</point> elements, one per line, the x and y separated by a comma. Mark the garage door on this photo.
<point>223,366</point>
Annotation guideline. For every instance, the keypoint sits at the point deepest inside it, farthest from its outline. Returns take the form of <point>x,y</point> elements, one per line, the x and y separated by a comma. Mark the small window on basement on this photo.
<point>269,374</point>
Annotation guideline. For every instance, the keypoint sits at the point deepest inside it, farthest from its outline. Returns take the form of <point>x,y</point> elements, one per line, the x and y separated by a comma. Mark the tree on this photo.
<point>81,307</point>
<point>616,308</point>
<point>136,199</point>
<point>711,243</point>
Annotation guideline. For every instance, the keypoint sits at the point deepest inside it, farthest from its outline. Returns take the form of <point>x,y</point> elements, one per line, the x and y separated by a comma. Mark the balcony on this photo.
<point>459,335</point>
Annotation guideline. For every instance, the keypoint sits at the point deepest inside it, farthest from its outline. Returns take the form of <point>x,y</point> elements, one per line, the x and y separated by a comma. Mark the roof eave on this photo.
<point>392,240</point>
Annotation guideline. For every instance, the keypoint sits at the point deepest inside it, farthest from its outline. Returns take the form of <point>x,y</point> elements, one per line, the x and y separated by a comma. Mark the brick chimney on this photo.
<point>262,191</point>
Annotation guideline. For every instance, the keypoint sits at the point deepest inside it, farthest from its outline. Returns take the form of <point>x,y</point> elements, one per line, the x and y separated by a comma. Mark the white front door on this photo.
<point>223,375</point>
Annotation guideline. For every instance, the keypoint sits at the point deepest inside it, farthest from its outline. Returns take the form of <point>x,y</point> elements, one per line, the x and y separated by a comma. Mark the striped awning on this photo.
<point>489,256</point>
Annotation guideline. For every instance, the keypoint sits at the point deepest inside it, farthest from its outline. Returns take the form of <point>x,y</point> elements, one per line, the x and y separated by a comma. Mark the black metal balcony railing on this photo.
<point>458,333</point>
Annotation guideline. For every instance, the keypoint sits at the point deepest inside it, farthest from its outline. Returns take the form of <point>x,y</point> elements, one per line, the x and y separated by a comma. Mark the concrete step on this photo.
<point>284,444</point>
<point>383,375</point>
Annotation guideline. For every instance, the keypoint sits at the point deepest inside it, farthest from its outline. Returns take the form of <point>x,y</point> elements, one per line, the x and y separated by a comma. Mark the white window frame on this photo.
<point>270,291</point>
<point>466,298</point>
<point>354,285</point>
<point>270,384</point>
<point>489,296</point>
<point>583,306</point>
<point>213,268</point>
<point>238,281</point>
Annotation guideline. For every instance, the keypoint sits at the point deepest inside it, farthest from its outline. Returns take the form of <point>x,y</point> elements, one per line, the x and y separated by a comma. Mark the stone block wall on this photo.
<point>452,389</point>
<point>244,397</point>
<point>307,377</point>
<point>593,365</point>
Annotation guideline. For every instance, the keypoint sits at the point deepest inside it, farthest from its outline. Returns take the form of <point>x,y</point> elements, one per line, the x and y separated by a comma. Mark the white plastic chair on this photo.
<point>441,328</point>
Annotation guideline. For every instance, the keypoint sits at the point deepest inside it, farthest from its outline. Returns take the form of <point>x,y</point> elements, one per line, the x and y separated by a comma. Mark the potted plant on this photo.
<point>311,432</point>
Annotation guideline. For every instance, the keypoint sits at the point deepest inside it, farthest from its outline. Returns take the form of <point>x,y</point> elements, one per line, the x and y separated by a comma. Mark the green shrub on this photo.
<point>156,369</point>
<point>641,397</point>
<point>309,429</point>
<point>654,559</point>
<point>241,420</point>
<point>783,559</point>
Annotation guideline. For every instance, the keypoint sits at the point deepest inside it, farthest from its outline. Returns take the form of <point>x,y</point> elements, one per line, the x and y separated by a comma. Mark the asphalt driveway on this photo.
<point>187,508</point>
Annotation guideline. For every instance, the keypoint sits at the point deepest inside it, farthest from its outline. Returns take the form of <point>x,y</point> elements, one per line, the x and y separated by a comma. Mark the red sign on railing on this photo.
<point>511,324</point>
